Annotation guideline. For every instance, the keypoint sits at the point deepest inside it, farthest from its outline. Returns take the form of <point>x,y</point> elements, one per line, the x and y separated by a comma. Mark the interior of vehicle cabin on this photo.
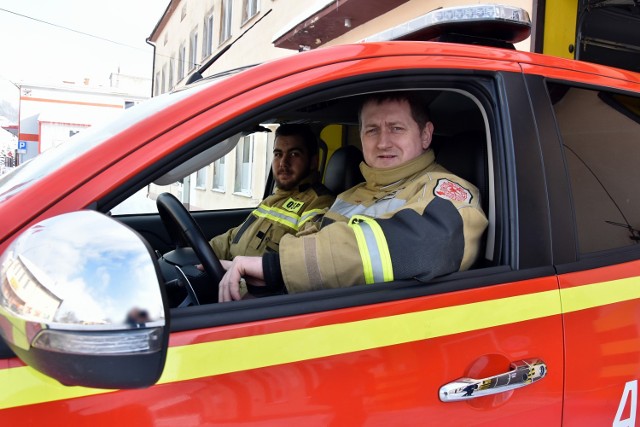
<point>461,144</point>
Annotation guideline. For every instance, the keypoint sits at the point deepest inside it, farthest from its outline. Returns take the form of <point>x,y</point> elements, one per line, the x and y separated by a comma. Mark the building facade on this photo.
<point>204,37</point>
<point>8,146</point>
<point>50,115</point>
<point>212,36</point>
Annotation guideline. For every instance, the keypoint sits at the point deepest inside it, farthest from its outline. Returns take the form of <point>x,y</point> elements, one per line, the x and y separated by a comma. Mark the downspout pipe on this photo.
<point>153,65</point>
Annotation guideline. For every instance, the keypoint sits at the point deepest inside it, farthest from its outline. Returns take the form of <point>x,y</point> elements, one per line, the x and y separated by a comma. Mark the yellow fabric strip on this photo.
<point>278,215</point>
<point>310,214</point>
<point>373,248</point>
<point>363,249</point>
<point>383,249</point>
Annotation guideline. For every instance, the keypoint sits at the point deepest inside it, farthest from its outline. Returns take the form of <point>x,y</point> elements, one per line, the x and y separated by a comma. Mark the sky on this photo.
<point>50,41</point>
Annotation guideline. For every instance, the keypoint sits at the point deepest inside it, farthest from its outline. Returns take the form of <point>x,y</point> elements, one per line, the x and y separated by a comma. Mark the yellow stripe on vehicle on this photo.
<point>220,357</point>
<point>599,294</point>
<point>25,386</point>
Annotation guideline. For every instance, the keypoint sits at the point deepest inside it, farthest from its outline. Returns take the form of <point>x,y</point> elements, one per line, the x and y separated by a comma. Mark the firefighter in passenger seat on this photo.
<point>411,218</point>
<point>299,200</point>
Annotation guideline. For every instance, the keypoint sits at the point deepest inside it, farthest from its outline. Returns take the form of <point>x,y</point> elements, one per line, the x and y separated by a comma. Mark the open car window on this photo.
<point>463,143</point>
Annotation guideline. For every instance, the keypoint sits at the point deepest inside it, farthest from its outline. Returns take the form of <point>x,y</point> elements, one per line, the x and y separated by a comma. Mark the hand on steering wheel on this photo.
<point>184,231</point>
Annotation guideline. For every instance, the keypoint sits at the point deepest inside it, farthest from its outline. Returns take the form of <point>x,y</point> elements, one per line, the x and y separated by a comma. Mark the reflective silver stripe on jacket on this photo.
<point>278,215</point>
<point>309,215</point>
<point>373,248</point>
<point>376,210</point>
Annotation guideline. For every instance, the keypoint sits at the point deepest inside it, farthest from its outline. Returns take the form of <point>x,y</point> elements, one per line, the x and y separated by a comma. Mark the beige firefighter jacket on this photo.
<point>414,221</point>
<point>284,212</point>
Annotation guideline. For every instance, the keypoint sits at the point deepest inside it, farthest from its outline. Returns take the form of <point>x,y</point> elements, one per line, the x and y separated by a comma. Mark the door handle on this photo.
<point>522,373</point>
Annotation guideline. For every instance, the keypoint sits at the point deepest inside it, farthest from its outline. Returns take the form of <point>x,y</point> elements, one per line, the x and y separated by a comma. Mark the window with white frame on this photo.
<point>244,164</point>
<point>170,74</point>
<point>163,79</point>
<point>183,13</point>
<point>225,20</point>
<point>157,88</point>
<point>249,10</point>
<point>193,49</point>
<point>218,174</point>
<point>269,155</point>
<point>182,59</point>
<point>201,178</point>
<point>207,35</point>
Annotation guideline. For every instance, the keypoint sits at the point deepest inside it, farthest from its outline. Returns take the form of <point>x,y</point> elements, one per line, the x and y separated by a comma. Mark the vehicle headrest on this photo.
<point>465,155</point>
<point>343,169</point>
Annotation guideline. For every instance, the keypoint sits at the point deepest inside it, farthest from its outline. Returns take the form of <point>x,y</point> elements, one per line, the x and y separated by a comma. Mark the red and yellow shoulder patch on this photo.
<point>453,191</point>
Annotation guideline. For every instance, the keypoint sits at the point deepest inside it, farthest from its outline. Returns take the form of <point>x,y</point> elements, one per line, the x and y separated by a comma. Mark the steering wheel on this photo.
<point>184,231</point>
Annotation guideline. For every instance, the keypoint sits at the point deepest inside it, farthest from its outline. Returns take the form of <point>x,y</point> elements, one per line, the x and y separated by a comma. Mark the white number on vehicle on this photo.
<point>630,394</point>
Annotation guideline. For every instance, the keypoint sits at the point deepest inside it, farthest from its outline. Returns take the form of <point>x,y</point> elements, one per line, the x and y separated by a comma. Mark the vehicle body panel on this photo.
<point>602,341</point>
<point>376,363</point>
<point>395,356</point>
<point>599,292</point>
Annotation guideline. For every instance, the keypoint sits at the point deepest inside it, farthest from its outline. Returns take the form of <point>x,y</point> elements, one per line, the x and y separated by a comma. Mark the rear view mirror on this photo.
<point>81,300</point>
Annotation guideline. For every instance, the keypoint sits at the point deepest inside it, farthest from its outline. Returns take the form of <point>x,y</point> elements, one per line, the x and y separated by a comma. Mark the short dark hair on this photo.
<point>419,110</point>
<point>304,131</point>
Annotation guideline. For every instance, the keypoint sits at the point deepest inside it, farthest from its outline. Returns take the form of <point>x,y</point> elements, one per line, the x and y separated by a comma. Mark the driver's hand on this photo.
<point>242,266</point>
<point>225,264</point>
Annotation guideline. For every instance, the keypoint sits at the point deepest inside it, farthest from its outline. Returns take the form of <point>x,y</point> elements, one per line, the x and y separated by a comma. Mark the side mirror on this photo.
<point>82,301</point>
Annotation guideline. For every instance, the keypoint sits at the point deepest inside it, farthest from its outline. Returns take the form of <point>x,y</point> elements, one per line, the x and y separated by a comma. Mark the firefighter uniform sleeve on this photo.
<point>326,259</point>
<point>429,236</point>
<point>276,217</point>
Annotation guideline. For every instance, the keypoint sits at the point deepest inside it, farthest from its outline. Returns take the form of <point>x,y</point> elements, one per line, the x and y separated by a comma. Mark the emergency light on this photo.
<point>493,25</point>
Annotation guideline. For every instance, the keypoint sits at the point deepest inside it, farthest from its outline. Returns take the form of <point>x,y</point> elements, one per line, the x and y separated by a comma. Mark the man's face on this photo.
<point>291,161</point>
<point>390,137</point>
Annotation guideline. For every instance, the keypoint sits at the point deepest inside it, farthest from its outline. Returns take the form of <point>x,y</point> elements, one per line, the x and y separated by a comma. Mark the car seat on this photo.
<point>465,155</point>
<point>343,169</point>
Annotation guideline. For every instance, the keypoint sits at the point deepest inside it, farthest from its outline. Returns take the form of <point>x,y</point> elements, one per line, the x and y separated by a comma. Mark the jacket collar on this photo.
<point>377,177</point>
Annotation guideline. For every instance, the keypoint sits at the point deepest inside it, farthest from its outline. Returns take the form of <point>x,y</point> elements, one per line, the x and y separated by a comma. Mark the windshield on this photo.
<point>39,167</point>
